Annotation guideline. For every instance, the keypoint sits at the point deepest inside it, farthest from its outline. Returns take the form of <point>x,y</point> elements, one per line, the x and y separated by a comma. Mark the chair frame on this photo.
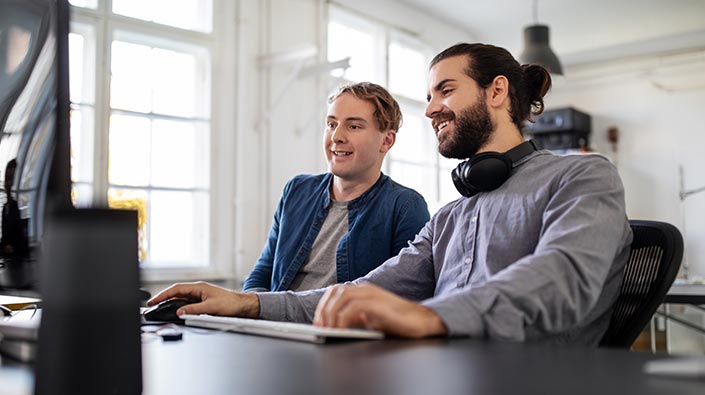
<point>644,286</point>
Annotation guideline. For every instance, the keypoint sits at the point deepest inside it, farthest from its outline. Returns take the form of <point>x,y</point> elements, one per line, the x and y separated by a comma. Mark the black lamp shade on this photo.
<point>537,50</point>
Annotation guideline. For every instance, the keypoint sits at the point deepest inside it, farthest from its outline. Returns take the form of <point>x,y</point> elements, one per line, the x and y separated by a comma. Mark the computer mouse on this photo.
<point>165,311</point>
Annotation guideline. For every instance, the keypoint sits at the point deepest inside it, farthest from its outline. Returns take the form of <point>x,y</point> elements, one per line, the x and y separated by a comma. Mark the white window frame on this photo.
<point>222,45</point>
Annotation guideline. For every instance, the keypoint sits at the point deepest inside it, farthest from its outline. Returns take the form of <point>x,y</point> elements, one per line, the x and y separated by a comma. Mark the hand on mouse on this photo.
<point>210,299</point>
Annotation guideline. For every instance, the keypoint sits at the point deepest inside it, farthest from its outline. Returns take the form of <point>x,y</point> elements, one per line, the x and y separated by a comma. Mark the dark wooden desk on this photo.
<point>690,294</point>
<point>225,363</point>
<point>216,363</point>
<point>686,294</point>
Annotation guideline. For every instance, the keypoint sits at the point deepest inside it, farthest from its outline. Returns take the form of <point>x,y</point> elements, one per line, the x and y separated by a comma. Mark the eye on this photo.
<point>330,125</point>
<point>446,91</point>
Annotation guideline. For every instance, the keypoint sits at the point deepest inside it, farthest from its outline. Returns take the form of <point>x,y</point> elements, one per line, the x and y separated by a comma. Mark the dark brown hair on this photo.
<point>528,83</point>
<point>387,111</point>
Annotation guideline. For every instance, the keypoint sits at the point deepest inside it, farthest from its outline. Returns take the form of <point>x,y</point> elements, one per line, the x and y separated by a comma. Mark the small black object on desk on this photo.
<point>165,311</point>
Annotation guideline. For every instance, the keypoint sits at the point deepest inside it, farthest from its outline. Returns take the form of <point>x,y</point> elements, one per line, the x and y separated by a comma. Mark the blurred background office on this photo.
<point>196,112</point>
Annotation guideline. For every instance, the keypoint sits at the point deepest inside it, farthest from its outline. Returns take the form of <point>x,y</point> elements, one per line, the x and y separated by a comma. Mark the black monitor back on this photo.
<point>34,131</point>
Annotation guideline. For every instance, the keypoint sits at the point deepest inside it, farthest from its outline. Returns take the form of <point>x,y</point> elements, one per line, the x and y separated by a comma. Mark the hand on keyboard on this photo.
<point>366,305</point>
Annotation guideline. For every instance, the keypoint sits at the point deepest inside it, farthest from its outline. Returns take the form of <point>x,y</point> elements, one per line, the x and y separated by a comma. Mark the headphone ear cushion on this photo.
<point>456,174</point>
<point>484,172</point>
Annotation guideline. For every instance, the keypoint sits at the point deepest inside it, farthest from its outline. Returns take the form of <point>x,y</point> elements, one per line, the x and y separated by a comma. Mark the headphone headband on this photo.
<point>520,151</point>
<point>488,170</point>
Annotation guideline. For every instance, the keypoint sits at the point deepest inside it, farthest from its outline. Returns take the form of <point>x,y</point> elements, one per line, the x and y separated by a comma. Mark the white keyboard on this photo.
<point>285,330</point>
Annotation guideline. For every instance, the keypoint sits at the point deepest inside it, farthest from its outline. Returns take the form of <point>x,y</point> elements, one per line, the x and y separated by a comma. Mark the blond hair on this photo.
<point>387,112</point>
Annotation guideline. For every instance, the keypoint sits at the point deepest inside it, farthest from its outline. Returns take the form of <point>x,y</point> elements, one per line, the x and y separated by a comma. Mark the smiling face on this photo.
<point>353,142</point>
<point>458,109</point>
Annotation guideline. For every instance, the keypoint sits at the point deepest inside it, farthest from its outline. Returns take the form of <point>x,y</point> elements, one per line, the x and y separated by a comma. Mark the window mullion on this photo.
<point>102,108</point>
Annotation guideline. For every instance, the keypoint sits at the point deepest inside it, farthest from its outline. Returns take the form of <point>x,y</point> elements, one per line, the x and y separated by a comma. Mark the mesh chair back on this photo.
<point>656,253</point>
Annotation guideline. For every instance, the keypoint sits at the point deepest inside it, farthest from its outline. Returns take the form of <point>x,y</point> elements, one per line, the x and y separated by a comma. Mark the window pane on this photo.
<point>415,141</point>
<point>416,176</point>
<point>131,77</point>
<point>178,229</point>
<point>408,71</point>
<point>184,14</point>
<point>179,154</point>
<point>129,150</point>
<point>162,81</point>
<point>174,82</point>
<point>344,41</point>
<point>133,200</point>
<point>448,193</point>
<point>82,120</point>
<point>76,52</point>
<point>84,3</point>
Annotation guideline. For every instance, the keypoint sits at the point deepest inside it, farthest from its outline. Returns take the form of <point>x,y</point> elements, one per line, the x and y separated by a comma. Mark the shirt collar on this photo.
<point>358,201</point>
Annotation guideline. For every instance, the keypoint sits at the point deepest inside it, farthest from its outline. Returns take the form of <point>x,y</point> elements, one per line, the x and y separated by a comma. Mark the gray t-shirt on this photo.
<point>319,268</point>
<point>540,258</point>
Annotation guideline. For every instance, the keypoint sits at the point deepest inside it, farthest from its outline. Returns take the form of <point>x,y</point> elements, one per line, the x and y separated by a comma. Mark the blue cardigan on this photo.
<point>380,223</point>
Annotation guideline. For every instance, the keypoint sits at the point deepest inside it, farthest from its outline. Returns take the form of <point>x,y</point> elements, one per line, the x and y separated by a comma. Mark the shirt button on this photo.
<point>468,260</point>
<point>473,219</point>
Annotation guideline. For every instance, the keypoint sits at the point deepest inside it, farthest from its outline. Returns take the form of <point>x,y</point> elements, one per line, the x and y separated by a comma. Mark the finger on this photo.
<point>163,295</point>
<point>351,297</point>
<point>399,318</point>
<point>317,315</point>
<point>336,302</point>
<point>185,290</point>
<point>324,305</point>
<point>351,314</point>
<point>321,316</point>
<point>369,321</point>
<point>195,308</point>
<point>336,298</point>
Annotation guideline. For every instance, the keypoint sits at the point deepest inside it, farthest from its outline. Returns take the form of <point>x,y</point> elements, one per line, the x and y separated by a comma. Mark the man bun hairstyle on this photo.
<point>528,83</point>
<point>387,111</point>
<point>538,83</point>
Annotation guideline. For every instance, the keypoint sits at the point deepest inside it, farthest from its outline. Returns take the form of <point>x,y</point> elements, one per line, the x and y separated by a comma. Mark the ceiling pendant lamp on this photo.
<point>536,48</point>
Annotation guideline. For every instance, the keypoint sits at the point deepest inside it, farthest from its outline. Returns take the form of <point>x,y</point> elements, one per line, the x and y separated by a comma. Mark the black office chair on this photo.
<point>657,250</point>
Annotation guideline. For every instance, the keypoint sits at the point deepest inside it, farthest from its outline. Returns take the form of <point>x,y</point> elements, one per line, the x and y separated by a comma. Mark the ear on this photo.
<point>390,136</point>
<point>498,91</point>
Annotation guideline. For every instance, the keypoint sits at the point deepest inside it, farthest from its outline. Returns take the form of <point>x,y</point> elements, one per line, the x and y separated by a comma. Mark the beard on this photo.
<point>473,128</point>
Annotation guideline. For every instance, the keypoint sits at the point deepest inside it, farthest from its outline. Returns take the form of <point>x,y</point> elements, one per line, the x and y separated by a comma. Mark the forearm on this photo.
<point>410,274</point>
<point>289,306</point>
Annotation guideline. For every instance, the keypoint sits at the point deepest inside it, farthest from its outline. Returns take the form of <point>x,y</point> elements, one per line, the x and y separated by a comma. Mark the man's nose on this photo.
<point>338,134</point>
<point>433,108</point>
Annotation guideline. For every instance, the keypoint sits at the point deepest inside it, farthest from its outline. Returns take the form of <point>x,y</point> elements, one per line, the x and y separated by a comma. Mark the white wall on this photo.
<point>279,119</point>
<point>657,104</point>
<point>433,32</point>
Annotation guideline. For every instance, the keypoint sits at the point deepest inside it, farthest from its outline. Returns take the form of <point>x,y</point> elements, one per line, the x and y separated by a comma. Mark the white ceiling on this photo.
<point>582,31</point>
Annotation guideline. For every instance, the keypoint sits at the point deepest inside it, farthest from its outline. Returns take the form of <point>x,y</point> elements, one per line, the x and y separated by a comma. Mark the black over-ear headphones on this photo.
<point>488,170</point>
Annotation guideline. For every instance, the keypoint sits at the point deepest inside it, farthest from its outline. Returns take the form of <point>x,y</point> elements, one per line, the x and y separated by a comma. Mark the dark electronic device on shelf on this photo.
<point>561,129</point>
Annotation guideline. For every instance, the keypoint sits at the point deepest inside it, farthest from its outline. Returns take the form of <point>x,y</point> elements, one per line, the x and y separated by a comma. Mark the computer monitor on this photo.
<point>34,131</point>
